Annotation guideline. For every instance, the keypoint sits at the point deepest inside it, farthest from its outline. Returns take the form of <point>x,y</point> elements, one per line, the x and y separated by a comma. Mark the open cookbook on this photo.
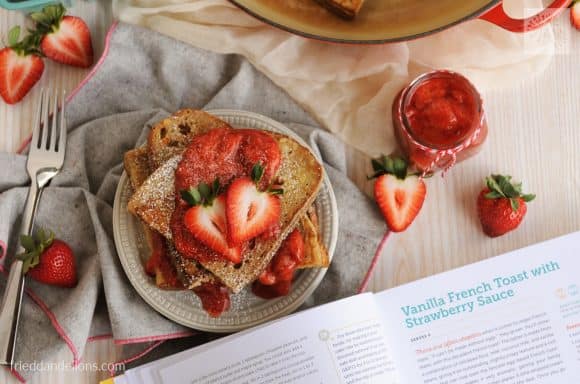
<point>514,318</point>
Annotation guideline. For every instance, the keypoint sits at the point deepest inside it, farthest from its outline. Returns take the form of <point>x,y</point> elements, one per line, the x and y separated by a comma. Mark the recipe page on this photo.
<point>340,342</point>
<point>510,319</point>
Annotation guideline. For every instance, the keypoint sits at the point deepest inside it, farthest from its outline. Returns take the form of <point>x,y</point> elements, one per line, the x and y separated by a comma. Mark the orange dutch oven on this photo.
<point>384,21</point>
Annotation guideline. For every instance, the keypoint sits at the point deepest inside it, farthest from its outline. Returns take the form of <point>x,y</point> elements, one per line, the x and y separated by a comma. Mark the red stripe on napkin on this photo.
<point>146,339</point>
<point>100,337</point>
<point>374,261</point>
<point>137,356</point>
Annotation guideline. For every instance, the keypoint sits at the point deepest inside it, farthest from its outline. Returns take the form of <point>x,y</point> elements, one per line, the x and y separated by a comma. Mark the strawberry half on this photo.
<point>20,66</point>
<point>206,220</point>
<point>399,196</point>
<point>249,211</point>
<point>48,260</point>
<point>501,206</point>
<point>575,14</point>
<point>67,39</point>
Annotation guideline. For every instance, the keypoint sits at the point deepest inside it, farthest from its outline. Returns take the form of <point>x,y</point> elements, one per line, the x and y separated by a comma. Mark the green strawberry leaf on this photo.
<point>13,36</point>
<point>492,195</point>
<point>400,167</point>
<point>216,187</point>
<point>25,265</point>
<point>41,235</point>
<point>529,197</point>
<point>41,19</point>
<point>34,246</point>
<point>501,186</point>
<point>27,243</point>
<point>191,196</point>
<point>29,260</point>
<point>494,186</point>
<point>257,173</point>
<point>276,191</point>
<point>377,165</point>
<point>510,191</point>
<point>204,191</point>
<point>389,165</point>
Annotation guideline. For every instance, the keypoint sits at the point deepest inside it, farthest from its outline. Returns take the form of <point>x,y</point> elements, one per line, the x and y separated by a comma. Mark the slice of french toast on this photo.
<point>171,135</point>
<point>136,163</point>
<point>301,175</point>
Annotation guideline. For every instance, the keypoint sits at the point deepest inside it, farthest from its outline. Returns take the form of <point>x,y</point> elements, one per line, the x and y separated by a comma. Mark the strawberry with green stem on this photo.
<point>399,195</point>
<point>501,206</point>
<point>21,66</point>
<point>206,219</point>
<point>65,39</point>
<point>48,260</point>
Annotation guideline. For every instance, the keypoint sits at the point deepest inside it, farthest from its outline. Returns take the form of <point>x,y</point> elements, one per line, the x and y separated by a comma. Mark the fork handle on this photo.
<point>12,300</point>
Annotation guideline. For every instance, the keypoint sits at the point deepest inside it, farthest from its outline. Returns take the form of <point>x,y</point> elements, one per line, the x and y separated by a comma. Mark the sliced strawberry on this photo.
<point>208,224</point>
<point>399,196</point>
<point>20,67</point>
<point>249,212</point>
<point>67,39</point>
<point>575,14</point>
<point>400,200</point>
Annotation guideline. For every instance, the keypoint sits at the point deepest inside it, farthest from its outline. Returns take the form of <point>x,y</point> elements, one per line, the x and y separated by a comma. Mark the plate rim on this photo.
<point>226,328</point>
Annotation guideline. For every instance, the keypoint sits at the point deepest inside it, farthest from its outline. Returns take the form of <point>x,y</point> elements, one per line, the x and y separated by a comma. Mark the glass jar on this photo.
<point>439,120</point>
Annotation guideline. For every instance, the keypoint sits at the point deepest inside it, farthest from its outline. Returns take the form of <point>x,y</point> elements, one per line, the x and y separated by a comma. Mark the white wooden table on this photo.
<point>534,136</point>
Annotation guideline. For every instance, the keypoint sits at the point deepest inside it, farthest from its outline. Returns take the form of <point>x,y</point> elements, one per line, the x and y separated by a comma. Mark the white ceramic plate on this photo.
<point>246,310</point>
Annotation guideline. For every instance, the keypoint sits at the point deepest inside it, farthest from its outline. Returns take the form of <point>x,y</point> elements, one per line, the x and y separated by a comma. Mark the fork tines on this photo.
<point>49,129</point>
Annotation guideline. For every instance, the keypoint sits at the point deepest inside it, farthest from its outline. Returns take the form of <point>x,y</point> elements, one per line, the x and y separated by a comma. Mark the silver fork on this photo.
<point>45,159</point>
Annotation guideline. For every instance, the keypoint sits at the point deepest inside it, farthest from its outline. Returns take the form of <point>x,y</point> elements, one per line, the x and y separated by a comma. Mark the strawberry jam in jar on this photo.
<point>439,120</point>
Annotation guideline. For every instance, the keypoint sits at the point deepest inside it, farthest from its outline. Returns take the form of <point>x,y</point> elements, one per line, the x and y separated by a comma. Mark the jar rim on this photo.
<point>409,91</point>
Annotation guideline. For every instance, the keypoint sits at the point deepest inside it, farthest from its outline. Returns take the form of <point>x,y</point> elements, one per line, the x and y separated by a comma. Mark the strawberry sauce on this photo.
<point>439,120</point>
<point>441,112</point>
<point>276,279</point>
<point>159,262</point>
<point>215,298</point>
<point>224,154</point>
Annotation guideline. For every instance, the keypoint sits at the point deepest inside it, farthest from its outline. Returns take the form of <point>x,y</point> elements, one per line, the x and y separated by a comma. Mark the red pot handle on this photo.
<point>497,16</point>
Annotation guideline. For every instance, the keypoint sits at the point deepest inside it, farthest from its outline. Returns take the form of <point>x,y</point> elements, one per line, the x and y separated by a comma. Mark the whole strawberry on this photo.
<point>48,260</point>
<point>501,206</point>
<point>66,39</point>
<point>575,14</point>
<point>20,66</point>
<point>399,195</point>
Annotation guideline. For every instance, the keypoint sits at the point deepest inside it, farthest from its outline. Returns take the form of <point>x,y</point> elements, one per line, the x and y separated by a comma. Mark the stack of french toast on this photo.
<point>206,153</point>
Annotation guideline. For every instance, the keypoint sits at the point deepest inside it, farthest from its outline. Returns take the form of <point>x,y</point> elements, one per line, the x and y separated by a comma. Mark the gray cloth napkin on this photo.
<point>144,77</point>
